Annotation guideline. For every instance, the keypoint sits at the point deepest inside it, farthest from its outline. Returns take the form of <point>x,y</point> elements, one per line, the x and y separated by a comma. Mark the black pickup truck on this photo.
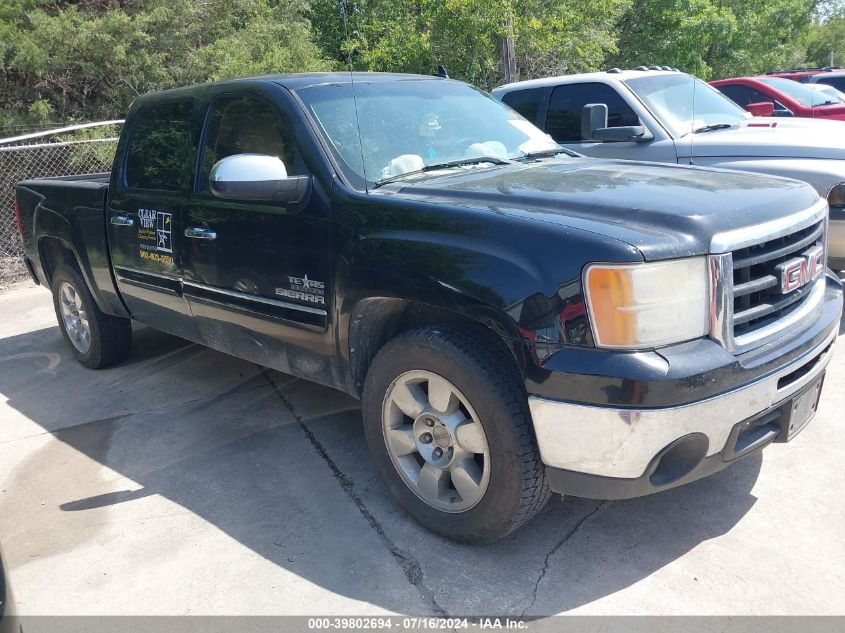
<point>517,319</point>
<point>8,618</point>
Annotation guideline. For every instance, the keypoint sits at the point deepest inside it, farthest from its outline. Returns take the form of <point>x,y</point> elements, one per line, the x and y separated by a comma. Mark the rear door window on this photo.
<point>836,82</point>
<point>158,152</point>
<point>563,121</point>
<point>526,102</point>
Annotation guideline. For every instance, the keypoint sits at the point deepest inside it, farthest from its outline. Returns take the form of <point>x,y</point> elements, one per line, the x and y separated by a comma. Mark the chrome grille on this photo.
<point>758,300</point>
<point>750,302</point>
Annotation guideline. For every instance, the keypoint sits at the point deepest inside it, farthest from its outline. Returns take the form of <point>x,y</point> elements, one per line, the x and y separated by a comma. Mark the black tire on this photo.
<point>476,362</point>
<point>110,336</point>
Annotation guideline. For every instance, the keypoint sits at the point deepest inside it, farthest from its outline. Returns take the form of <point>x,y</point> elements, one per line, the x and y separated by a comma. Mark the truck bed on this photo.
<point>87,181</point>
<point>70,209</point>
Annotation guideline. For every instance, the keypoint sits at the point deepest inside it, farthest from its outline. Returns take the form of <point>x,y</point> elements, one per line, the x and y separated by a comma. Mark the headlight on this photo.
<point>836,195</point>
<point>636,306</point>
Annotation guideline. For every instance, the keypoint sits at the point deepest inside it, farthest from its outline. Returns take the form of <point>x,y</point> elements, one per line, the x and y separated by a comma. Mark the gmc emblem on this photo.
<point>801,270</point>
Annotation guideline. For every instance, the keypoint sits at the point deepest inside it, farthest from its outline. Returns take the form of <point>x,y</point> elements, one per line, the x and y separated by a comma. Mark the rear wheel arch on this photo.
<point>54,252</point>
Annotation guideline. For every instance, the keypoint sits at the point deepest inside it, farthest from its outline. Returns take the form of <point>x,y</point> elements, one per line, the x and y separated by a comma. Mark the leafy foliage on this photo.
<point>826,42</point>
<point>61,61</point>
<point>415,36</point>
<point>714,38</point>
<point>65,60</point>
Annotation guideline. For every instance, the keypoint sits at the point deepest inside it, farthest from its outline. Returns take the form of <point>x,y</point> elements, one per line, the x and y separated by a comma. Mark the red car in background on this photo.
<point>768,95</point>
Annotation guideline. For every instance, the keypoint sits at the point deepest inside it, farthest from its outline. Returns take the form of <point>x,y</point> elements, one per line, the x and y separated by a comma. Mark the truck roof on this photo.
<point>295,81</point>
<point>614,74</point>
<point>829,73</point>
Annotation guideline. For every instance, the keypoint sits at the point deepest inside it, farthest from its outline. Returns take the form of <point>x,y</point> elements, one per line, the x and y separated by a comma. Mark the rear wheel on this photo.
<point>96,339</point>
<point>448,426</point>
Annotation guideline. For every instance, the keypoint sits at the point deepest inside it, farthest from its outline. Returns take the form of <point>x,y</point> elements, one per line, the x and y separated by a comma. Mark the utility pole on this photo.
<point>507,54</point>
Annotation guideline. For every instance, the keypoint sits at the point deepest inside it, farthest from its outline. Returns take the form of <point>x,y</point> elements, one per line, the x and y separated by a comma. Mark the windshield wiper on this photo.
<point>548,153</point>
<point>476,160</point>
<point>713,126</point>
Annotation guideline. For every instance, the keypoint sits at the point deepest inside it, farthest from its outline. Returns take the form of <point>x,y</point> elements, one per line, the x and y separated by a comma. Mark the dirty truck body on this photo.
<point>515,318</point>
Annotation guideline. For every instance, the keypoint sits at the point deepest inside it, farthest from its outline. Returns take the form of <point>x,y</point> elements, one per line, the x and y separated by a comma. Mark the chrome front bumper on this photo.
<point>622,443</point>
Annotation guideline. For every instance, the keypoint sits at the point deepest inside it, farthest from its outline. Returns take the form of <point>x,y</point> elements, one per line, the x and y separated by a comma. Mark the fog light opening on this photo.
<point>679,459</point>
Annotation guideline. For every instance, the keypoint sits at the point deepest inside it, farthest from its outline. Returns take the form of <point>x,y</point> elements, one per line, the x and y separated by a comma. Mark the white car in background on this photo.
<point>835,78</point>
<point>830,92</point>
<point>663,115</point>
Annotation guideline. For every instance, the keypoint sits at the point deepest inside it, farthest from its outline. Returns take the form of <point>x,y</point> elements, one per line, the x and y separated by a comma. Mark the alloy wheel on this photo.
<point>436,441</point>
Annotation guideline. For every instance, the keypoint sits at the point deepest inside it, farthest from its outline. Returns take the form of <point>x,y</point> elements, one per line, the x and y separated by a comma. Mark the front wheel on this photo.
<point>96,339</point>
<point>447,423</point>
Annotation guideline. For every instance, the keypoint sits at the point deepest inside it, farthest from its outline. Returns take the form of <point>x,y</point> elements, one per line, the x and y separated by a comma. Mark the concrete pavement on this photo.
<point>187,481</point>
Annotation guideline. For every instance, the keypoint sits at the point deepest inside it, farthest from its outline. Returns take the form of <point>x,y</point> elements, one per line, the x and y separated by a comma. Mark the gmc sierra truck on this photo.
<point>663,115</point>
<point>516,319</point>
<point>9,622</point>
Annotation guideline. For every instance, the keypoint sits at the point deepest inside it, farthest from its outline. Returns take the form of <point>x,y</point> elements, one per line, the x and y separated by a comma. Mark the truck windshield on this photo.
<point>684,104</point>
<point>406,125</point>
<point>802,93</point>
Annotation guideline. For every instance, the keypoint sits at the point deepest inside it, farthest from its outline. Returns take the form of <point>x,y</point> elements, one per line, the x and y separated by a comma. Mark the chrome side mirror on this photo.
<point>256,177</point>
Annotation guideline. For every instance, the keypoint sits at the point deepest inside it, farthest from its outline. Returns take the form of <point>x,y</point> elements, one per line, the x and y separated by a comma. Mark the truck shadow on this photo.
<point>214,435</point>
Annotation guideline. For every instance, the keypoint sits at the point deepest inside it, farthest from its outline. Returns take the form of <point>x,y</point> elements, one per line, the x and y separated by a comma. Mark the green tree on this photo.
<point>826,43</point>
<point>714,38</point>
<point>65,60</point>
<point>551,36</point>
<point>89,60</point>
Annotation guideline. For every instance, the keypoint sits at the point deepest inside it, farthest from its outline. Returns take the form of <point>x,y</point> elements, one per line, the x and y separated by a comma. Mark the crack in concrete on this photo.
<point>555,549</point>
<point>410,565</point>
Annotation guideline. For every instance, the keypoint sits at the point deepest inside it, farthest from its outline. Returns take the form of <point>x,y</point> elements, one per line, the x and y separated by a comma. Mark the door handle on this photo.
<point>200,233</point>
<point>122,220</point>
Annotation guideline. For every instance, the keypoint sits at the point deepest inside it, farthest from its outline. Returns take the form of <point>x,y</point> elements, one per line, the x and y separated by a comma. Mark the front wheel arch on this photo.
<point>375,321</point>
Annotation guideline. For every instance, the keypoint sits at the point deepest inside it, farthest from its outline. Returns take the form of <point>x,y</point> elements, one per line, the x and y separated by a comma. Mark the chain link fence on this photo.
<point>69,151</point>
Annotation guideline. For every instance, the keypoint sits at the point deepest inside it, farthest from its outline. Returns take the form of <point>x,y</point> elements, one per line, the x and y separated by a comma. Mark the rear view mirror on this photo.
<point>256,177</point>
<point>761,108</point>
<point>594,127</point>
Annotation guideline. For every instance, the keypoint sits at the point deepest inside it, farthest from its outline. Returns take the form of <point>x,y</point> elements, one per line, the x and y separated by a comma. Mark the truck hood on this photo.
<point>769,137</point>
<point>664,211</point>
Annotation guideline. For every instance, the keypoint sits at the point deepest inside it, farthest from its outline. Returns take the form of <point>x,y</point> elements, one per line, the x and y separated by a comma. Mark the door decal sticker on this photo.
<point>163,232</point>
<point>155,236</point>
<point>304,289</point>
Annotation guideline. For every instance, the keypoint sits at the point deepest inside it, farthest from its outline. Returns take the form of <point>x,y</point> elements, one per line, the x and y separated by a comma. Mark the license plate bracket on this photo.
<point>801,409</point>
